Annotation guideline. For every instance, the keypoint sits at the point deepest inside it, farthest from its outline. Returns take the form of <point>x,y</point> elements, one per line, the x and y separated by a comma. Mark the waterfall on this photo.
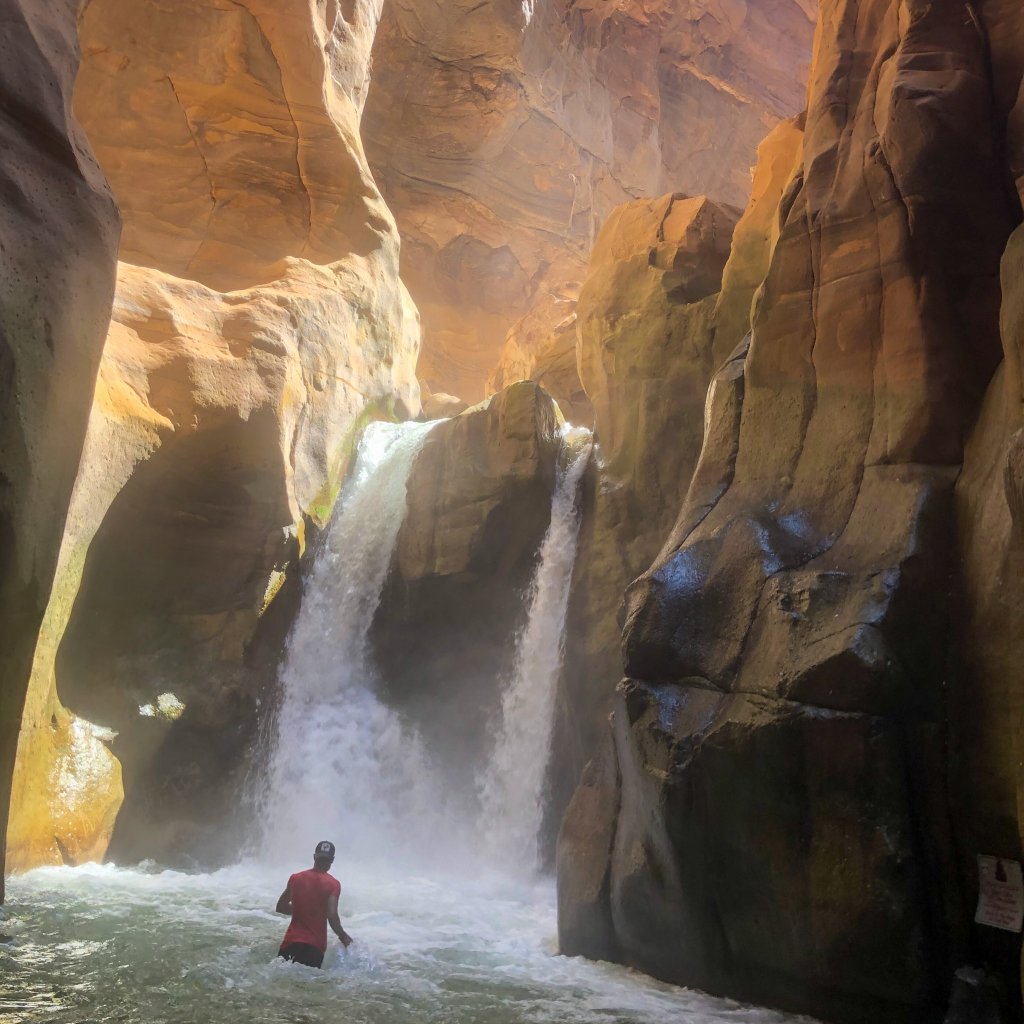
<point>345,766</point>
<point>512,786</point>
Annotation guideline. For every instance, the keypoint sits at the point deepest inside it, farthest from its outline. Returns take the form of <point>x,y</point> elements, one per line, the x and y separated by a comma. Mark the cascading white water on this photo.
<point>344,765</point>
<point>512,787</point>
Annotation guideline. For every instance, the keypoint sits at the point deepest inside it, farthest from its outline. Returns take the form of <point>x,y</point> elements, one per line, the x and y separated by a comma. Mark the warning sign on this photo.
<point>1000,894</point>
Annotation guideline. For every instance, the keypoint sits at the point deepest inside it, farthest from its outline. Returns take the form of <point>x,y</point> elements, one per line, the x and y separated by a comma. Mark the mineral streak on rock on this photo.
<point>58,245</point>
<point>787,649</point>
<point>503,134</point>
<point>259,321</point>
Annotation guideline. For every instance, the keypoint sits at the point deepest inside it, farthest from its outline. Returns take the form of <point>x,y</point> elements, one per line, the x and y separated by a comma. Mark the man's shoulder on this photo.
<point>333,884</point>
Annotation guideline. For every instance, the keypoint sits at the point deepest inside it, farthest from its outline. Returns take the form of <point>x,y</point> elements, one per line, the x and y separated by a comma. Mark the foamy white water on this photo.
<point>512,787</point>
<point>344,766</point>
<point>95,944</point>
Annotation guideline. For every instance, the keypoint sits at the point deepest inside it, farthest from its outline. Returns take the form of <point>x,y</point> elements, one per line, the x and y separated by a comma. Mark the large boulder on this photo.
<point>503,135</point>
<point>58,243</point>
<point>478,505</point>
<point>791,639</point>
<point>259,321</point>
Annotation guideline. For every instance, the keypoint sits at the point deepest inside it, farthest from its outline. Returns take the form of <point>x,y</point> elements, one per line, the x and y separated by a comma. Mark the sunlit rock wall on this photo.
<point>259,320</point>
<point>769,820</point>
<point>58,243</point>
<point>504,133</point>
<point>541,346</point>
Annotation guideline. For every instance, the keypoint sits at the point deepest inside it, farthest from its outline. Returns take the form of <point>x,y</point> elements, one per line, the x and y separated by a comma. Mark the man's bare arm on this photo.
<point>335,922</point>
<point>284,902</point>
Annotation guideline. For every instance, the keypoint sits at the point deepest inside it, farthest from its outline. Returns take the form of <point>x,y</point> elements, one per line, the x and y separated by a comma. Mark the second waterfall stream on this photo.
<point>344,763</point>
<point>512,789</point>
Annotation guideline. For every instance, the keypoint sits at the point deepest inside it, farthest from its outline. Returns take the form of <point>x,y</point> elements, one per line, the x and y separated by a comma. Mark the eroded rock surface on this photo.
<point>58,244</point>
<point>651,336</point>
<point>987,744</point>
<point>542,347</point>
<point>785,638</point>
<point>259,321</point>
<point>646,329</point>
<point>478,505</point>
<point>503,134</point>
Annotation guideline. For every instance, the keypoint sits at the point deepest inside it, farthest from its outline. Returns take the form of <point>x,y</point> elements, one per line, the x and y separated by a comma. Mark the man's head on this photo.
<point>323,855</point>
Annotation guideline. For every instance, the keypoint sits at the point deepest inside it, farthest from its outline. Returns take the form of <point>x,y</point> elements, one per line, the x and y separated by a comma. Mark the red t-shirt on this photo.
<point>310,891</point>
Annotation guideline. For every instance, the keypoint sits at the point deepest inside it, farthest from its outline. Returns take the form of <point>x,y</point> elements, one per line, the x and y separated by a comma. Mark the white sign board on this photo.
<point>1000,894</point>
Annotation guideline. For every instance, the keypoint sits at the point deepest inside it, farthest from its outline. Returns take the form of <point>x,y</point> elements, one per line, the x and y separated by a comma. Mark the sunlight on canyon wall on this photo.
<point>502,142</point>
<point>259,319</point>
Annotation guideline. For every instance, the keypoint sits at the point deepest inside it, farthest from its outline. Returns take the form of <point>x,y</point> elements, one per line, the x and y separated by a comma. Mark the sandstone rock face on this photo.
<point>648,351</point>
<point>542,347</point>
<point>503,134</point>
<point>646,330</point>
<point>259,321</point>
<point>230,133</point>
<point>654,261</point>
<point>58,243</point>
<point>479,503</point>
<point>442,406</point>
<point>796,606</point>
<point>987,744</point>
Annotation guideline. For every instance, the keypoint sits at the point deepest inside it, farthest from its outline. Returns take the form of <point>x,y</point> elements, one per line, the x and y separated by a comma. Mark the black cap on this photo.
<point>324,851</point>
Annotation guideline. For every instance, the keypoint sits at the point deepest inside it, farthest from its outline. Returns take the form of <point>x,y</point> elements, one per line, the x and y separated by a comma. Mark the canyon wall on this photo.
<point>58,243</point>
<point>259,321</point>
<point>504,133</point>
<point>986,741</point>
<point>659,315</point>
<point>769,817</point>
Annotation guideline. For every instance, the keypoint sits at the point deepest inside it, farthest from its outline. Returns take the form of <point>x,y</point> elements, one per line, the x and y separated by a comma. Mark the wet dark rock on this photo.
<point>762,849</point>
<point>977,998</point>
<point>478,505</point>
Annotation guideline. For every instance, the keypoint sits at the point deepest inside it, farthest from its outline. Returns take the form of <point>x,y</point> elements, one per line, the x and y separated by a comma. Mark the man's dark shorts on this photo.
<point>303,953</point>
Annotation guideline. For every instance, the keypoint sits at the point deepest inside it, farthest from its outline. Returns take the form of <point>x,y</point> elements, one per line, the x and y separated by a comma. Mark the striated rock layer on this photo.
<point>769,820</point>
<point>58,243</point>
<point>503,134</point>
<point>259,321</point>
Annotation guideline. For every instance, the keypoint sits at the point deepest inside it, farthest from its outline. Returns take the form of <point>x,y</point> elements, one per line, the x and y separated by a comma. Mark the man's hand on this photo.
<point>335,922</point>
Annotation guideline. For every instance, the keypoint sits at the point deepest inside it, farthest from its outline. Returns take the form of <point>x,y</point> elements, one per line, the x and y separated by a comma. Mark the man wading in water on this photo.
<point>311,897</point>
